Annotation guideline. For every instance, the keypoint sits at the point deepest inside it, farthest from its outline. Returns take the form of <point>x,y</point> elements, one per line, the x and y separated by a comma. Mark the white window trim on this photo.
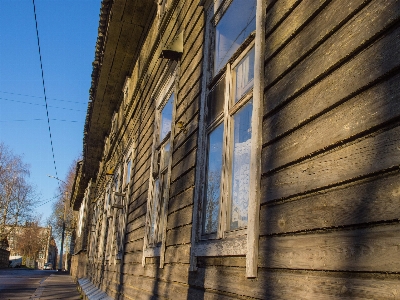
<point>245,244</point>
<point>164,88</point>
<point>122,213</point>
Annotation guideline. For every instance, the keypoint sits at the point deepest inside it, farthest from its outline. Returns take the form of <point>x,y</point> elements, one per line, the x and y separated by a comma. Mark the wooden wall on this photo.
<point>329,213</point>
<point>330,160</point>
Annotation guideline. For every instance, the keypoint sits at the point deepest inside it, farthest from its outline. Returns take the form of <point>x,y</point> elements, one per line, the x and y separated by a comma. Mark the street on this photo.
<point>21,283</point>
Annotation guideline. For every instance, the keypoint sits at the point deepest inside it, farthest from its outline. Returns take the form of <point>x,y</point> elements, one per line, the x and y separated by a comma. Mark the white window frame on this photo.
<point>121,213</point>
<point>163,91</point>
<point>244,241</point>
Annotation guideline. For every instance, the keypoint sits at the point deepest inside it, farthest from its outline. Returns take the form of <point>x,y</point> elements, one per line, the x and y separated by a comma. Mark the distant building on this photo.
<point>242,149</point>
<point>43,245</point>
<point>4,253</point>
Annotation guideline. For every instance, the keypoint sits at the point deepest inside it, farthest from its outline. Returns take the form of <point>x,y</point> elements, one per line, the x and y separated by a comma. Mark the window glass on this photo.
<point>213,180</point>
<point>128,171</point>
<point>244,72</point>
<point>154,209</point>
<point>166,118</point>
<point>241,166</point>
<point>231,31</point>
<point>215,101</point>
<point>166,154</point>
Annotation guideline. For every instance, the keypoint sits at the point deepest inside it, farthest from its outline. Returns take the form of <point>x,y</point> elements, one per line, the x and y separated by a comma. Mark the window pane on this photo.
<point>213,180</point>
<point>215,101</point>
<point>128,171</point>
<point>241,166</point>
<point>166,155</point>
<point>234,27</point>
<point>160,220</point>
<point>244,75</point>
<point>166,118</point>
<point>154,209</point>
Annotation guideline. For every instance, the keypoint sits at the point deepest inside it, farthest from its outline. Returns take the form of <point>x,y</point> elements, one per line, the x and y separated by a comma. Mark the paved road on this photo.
<point>21,283</point>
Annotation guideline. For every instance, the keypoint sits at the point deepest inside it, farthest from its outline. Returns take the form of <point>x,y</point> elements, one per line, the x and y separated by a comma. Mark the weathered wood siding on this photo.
<point>329,207</point>
<point>329,221</point>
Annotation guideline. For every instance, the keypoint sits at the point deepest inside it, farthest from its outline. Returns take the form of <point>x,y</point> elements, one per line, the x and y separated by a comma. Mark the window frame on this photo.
<point>243,241</point>
<point>165,88</point>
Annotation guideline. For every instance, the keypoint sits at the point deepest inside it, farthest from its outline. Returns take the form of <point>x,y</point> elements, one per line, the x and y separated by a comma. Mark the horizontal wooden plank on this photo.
<point>181,200</point>
<point>135,234</point>
<point>158,288</point>
<point>177,254</point>
<point>178,236</point>
<point>365,26</point>
<point>227,261</point>
<point>345,82</point>
<point>133,258</point>
<point>372,200</point>
<point>181,151</point>
<point>183,183</point>
<point>372,154</point>
<point>132,246</point>
<point>302,13</point>
<point>191,65</point>
<point>180,217</point>
<point>277,11</point>
<point>296,285</point>
<point>191,126</point>
<point>325,24</point>
<point>138,212</point>
<point>184,165</point>
<point>371,249</point>
<point>375,106</point>
<point>190,103</point>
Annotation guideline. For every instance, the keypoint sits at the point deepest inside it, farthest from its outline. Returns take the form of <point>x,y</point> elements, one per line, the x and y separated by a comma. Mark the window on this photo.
<point>230,105</point>
<point>228,119</point>
<point>128,169</point>
<point>160,169</point>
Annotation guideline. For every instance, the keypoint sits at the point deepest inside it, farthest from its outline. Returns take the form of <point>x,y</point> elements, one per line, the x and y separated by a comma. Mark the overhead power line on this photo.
<point>18,101</point>
<point>59,120</point>
<point>44,87</point>
<point>24,95</point>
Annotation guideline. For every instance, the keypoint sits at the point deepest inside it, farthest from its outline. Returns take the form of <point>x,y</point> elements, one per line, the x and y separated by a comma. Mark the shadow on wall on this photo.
<point>329,213</point>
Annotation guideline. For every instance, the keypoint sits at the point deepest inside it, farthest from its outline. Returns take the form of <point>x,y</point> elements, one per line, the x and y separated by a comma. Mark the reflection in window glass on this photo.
<point>241,166</point>
<point>213,180</point>
<point>166,118</point>
<point>231,31</point>
<point>216,100</point>
<point>244,75</point>
<point>163,194</point>
<point>166,155</point>
<point>154,209</point>
<point>128,171</point>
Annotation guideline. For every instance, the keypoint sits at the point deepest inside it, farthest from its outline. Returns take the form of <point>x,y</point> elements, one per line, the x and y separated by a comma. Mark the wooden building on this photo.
<point>244,149</point>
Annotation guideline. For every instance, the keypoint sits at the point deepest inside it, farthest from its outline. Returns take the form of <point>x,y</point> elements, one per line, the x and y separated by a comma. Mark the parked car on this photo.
<point>15,261</point>
<point>48,266</point>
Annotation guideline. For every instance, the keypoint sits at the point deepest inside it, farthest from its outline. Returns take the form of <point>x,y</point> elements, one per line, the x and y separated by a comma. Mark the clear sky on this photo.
<point>67,33</point>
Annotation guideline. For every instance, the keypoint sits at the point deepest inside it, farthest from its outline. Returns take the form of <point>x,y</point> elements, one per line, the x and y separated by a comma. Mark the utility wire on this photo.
<point>24,95</point>
<point>44,88</point>
<point>21,120</point>
<point>18,101</point>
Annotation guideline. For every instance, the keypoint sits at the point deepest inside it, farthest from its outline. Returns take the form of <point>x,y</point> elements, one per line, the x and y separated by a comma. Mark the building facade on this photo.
<point>242,149</point>
<point>35,240</point>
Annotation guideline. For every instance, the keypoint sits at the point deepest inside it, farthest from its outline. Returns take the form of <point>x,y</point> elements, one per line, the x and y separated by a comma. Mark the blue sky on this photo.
<point>67,32</point>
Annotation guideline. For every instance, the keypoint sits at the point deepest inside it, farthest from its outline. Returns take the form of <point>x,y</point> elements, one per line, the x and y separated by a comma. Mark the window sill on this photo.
<point>231,246</point>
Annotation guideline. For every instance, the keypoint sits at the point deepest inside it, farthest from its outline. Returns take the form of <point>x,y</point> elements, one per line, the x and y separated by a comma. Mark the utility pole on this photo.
<point>63,226</point>
<point>62,235</point>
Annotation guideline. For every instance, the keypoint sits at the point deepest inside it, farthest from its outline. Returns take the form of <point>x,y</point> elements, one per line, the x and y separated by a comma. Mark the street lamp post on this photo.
<point>63,226</point>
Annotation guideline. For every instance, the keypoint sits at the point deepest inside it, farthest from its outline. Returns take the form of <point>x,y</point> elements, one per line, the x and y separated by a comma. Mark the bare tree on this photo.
<point>63,202</point>
<point>32,239</point>
<point>17,196</point>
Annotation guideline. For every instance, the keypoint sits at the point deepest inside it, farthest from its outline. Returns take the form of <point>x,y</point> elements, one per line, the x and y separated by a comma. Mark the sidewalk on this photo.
<point>57,286</point>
